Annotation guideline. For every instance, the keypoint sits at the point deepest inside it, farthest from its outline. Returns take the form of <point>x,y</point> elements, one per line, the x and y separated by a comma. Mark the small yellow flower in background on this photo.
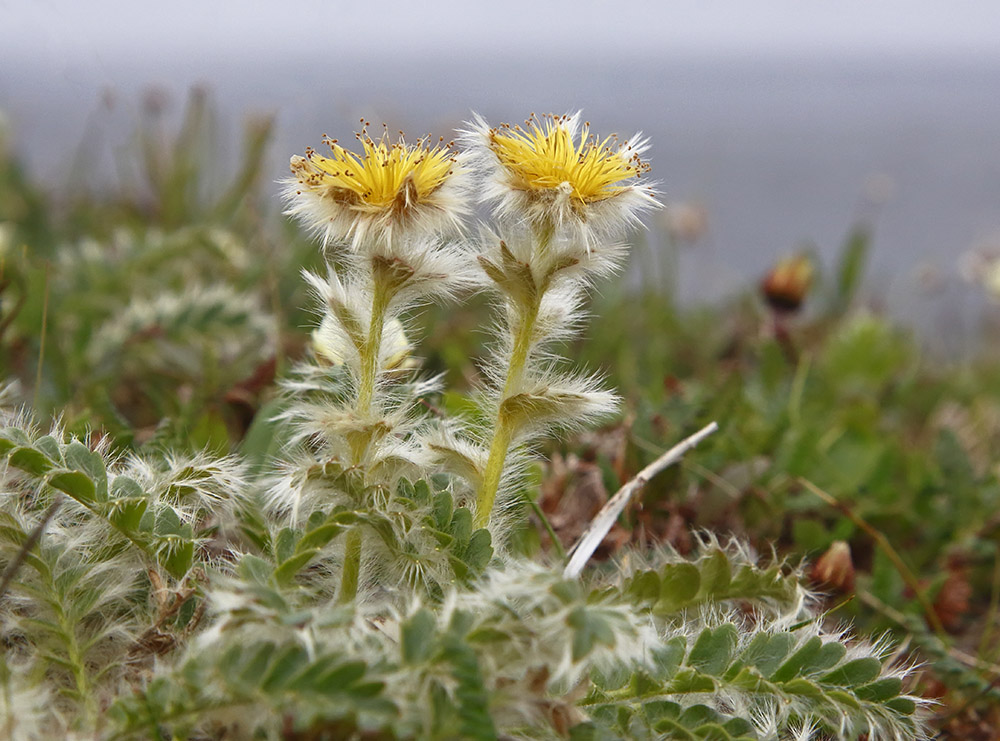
<point>553,172</point>
<point>788,283</point>
<point>391,190</point>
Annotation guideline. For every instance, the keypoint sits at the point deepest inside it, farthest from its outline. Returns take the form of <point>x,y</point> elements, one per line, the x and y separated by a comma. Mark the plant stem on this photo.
<point>503,434</point>
<point>352,566</point>
<point>493,473</point>
<point>373,346</point>
<point>556,545</point>
<point>381,296</point>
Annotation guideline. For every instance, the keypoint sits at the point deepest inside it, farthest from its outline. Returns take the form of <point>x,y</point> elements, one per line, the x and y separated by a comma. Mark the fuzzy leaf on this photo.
<point>853,673</point>
<point>713,649</point>
<point>589,627</point>
<point>284,544</point>
<point>442,509</point>
<point>793,666</point>
<point>78,456</point>
<point>415,635</point>
<point>30,461</point>
<point>75,483</point>
<point>880,690</point>
<point>644,588</point>
<point>767,651</point>
<point>479,550</point>
<point>291,566</point>
<point>680,583</point>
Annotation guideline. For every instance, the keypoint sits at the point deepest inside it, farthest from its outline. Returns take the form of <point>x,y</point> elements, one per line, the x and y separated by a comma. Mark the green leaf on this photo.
<point>49,447</point>
<point>80,457</point>
<point>75,483</point>
<point>880,690</point>
<point>255,569</point>
<point>442,510</point>
<point>716,573</point>
<point>793,666</point>
<point>803,688</point>
<point>674,731</point>
<point>283,668</point>
<point>766,652</point>
<point>318,537</point>
<point>168,522</point>
<point>30,461</point>
<point>589,627</point>
<point>284,544</point>
<point>854,673</point>
<point>249,672</point>
<point>416,636</point>
<point>843,698</point>
<point>479,551</point>
<point>422,492</point>
<point>176,554</point>
<point>679,585</point>
<point>659,709</point>
<point>644,588</point>
<point>902,705</point>
<point>668,658</point>
<point>696,715</point>
<point>461,524</point>
<point>829,655</point>
<point>713,649</point>
<point>690,681</point>
<point>291,566</point>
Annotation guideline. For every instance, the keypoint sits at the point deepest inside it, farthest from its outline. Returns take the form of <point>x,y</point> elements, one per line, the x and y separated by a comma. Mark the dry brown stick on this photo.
<point>601,524</point>
<point>886,547</point>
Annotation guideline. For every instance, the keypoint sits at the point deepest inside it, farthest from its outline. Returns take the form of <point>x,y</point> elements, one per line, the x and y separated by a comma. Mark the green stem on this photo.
<point>381,296</point>
<point>352,566</point>
<point>494,470</point>
<point>373,346</point>
<point>556,544</point>
<point>503,434</point>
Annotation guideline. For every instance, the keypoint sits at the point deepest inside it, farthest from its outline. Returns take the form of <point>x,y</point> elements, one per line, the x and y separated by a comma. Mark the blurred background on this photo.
<point>775,125</point>
<point>151,294</point>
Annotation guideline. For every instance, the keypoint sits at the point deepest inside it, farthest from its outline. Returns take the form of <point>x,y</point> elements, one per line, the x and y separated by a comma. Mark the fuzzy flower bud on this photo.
<point>835,569</point>
<point>787,284</point>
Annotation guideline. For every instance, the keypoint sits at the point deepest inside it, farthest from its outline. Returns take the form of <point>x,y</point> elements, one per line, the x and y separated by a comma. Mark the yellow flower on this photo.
<point>553,172</point>
<point>391,190</point>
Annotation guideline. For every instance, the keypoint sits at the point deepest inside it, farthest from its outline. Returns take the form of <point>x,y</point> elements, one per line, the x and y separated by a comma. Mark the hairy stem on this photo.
<point>352,566</point>
<point>381,296</point>
<point>503,434</point>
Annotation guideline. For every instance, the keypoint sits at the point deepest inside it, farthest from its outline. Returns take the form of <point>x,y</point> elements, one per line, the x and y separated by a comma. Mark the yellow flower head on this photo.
<point>552,171</point>
<point>388,190</point>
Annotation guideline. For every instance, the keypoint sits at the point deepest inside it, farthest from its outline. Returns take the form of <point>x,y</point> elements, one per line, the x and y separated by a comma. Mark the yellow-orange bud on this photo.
<point>788,283</point>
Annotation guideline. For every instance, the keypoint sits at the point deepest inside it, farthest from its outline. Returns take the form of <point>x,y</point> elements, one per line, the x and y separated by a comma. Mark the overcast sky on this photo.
<point>109,30</point>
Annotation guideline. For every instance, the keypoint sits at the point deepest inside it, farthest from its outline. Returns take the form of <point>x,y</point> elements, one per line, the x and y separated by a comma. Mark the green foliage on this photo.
<point>712,578</point>
<point>257,682</point>
<point>190,595</point>
<point>78,472</point>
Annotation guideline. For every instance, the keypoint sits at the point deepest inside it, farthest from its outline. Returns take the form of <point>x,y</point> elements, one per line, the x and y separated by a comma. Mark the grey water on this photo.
<point>782,151</point>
